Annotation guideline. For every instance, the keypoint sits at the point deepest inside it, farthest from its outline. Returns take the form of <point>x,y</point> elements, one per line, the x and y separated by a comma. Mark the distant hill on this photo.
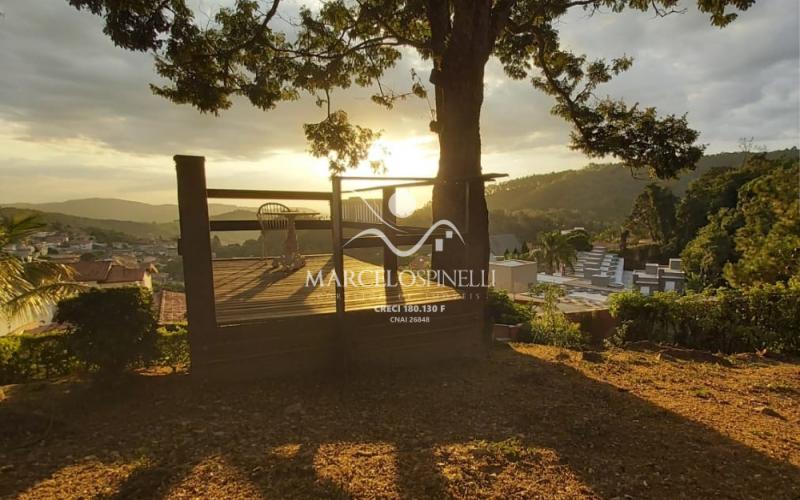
<point>601,192</point>
<point>131,229</point>
<point>116,209</point>
<point>597,193</point>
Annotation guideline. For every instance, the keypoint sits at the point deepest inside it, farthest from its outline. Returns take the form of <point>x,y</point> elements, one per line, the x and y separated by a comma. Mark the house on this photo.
<point>499,244</point>
<point>20,250</point>
<point>81,246</point>
<point>108,274</point>
<point>660,278</point>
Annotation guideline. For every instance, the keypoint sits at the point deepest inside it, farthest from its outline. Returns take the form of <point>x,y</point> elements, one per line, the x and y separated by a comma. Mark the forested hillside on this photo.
<point>599,193</point>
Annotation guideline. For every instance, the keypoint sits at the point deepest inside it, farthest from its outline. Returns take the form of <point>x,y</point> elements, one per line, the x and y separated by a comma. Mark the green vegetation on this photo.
<point>601,193</point>
<point>726,320</point>
<point>550,325</point>
<point>110,329</point>
<point>653,214</point>
<point>505,311</point>
<point>29,286</point>
<point>547,326</point>
<point>25,358</point>
<point>172,347</point>
<point>556,251</point>
<point>734,227</point>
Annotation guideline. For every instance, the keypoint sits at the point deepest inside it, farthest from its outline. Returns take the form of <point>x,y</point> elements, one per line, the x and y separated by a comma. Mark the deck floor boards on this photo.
<point>248,290</point>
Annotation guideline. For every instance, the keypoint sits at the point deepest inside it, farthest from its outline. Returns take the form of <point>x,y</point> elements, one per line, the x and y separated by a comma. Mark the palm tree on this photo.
<point>28,287</point>
<point>555,252</point>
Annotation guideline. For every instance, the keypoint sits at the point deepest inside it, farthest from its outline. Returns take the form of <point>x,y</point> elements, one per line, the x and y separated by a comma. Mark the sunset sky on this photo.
<point>78,120</point>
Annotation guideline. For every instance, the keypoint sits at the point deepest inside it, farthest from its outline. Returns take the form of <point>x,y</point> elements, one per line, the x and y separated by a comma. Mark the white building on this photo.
<point>513,276</point>
<point>658,278</point>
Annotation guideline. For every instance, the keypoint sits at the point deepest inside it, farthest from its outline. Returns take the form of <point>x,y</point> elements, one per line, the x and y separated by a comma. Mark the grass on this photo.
<point>532,422</point>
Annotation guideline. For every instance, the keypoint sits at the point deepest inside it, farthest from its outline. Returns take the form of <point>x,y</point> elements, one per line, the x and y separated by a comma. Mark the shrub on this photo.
<point>24,358</point>
<point>551,326</point>
<point>110,329</point>
<point>505,311</point>
<point>27,357</point>
<point>172,347</point>
<point>726,320</point>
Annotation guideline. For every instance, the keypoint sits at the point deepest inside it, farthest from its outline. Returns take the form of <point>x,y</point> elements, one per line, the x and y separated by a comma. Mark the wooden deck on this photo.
<point>247,290</point>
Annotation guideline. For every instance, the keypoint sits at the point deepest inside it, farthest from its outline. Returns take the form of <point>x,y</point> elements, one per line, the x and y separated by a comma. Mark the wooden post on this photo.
<point>341,347</point>
<point>195,248</point>
<point>389,257</point>
<point>338,251</point>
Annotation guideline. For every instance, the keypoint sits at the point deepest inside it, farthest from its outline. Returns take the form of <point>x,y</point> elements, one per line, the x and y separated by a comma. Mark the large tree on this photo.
<point>653,214</point>
<point>241,51</point>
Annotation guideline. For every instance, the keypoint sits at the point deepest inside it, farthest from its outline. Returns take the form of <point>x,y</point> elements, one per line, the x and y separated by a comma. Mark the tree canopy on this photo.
<point>653,214</point>
<point>242,50</point>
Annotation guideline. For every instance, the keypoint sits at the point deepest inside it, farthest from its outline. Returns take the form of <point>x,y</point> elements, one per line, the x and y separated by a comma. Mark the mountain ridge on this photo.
<point>603,191</point>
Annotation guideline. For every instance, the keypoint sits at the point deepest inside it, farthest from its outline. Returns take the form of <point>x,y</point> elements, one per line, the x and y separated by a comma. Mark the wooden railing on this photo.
<point>195,225</point>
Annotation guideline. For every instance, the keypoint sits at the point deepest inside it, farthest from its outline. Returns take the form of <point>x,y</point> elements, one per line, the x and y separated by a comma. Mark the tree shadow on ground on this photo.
<point>464,429</point>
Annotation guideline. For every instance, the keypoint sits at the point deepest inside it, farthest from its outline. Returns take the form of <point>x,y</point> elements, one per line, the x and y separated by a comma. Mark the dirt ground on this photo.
<point>530,422</point>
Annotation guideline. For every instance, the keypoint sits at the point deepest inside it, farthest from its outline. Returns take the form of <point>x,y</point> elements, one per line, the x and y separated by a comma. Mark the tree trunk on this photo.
<point>459,97</point>
<point>461,44</point>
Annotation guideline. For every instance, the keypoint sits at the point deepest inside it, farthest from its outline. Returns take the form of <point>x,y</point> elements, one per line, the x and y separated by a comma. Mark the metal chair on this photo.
<point>270,218</point>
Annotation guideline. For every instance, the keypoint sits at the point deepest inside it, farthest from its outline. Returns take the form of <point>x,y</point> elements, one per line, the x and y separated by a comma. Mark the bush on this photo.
<point>172,347</point>
<point>110,329</point>
<point>765,317</point>
<point>559,332</point>
<point>26,357</point>
<point>551,326</point>
<point>505,311</point>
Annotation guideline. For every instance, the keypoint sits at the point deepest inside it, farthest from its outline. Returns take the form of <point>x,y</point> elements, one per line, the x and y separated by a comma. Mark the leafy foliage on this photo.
<point>550,325</point>
<point>27,287</point>
<point>505,311</point>
<point>653,214</point>
<point>580,240</point>
<point>599,195</point>
<point>110,329</point>
<point>555,252</point>
<point>24,358</point>
<point>754,235</point>
<point>28,357</point>
<point>705,257</point>
<point>172,347</point>
<point>337,44</point>
<point>344,144</point>
<point>769,240</point>
<point>727,320</point>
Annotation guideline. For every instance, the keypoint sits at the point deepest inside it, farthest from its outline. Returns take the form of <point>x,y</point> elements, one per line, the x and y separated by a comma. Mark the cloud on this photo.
<point>62,81</point>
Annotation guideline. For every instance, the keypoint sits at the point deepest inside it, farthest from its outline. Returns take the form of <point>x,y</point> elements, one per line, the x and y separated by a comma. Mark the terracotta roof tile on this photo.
<point>107,272</point>
<point>170,307</point>
<point>91,271</point>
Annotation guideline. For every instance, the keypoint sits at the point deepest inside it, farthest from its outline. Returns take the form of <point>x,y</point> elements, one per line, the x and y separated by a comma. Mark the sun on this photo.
<point>415,156</point>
